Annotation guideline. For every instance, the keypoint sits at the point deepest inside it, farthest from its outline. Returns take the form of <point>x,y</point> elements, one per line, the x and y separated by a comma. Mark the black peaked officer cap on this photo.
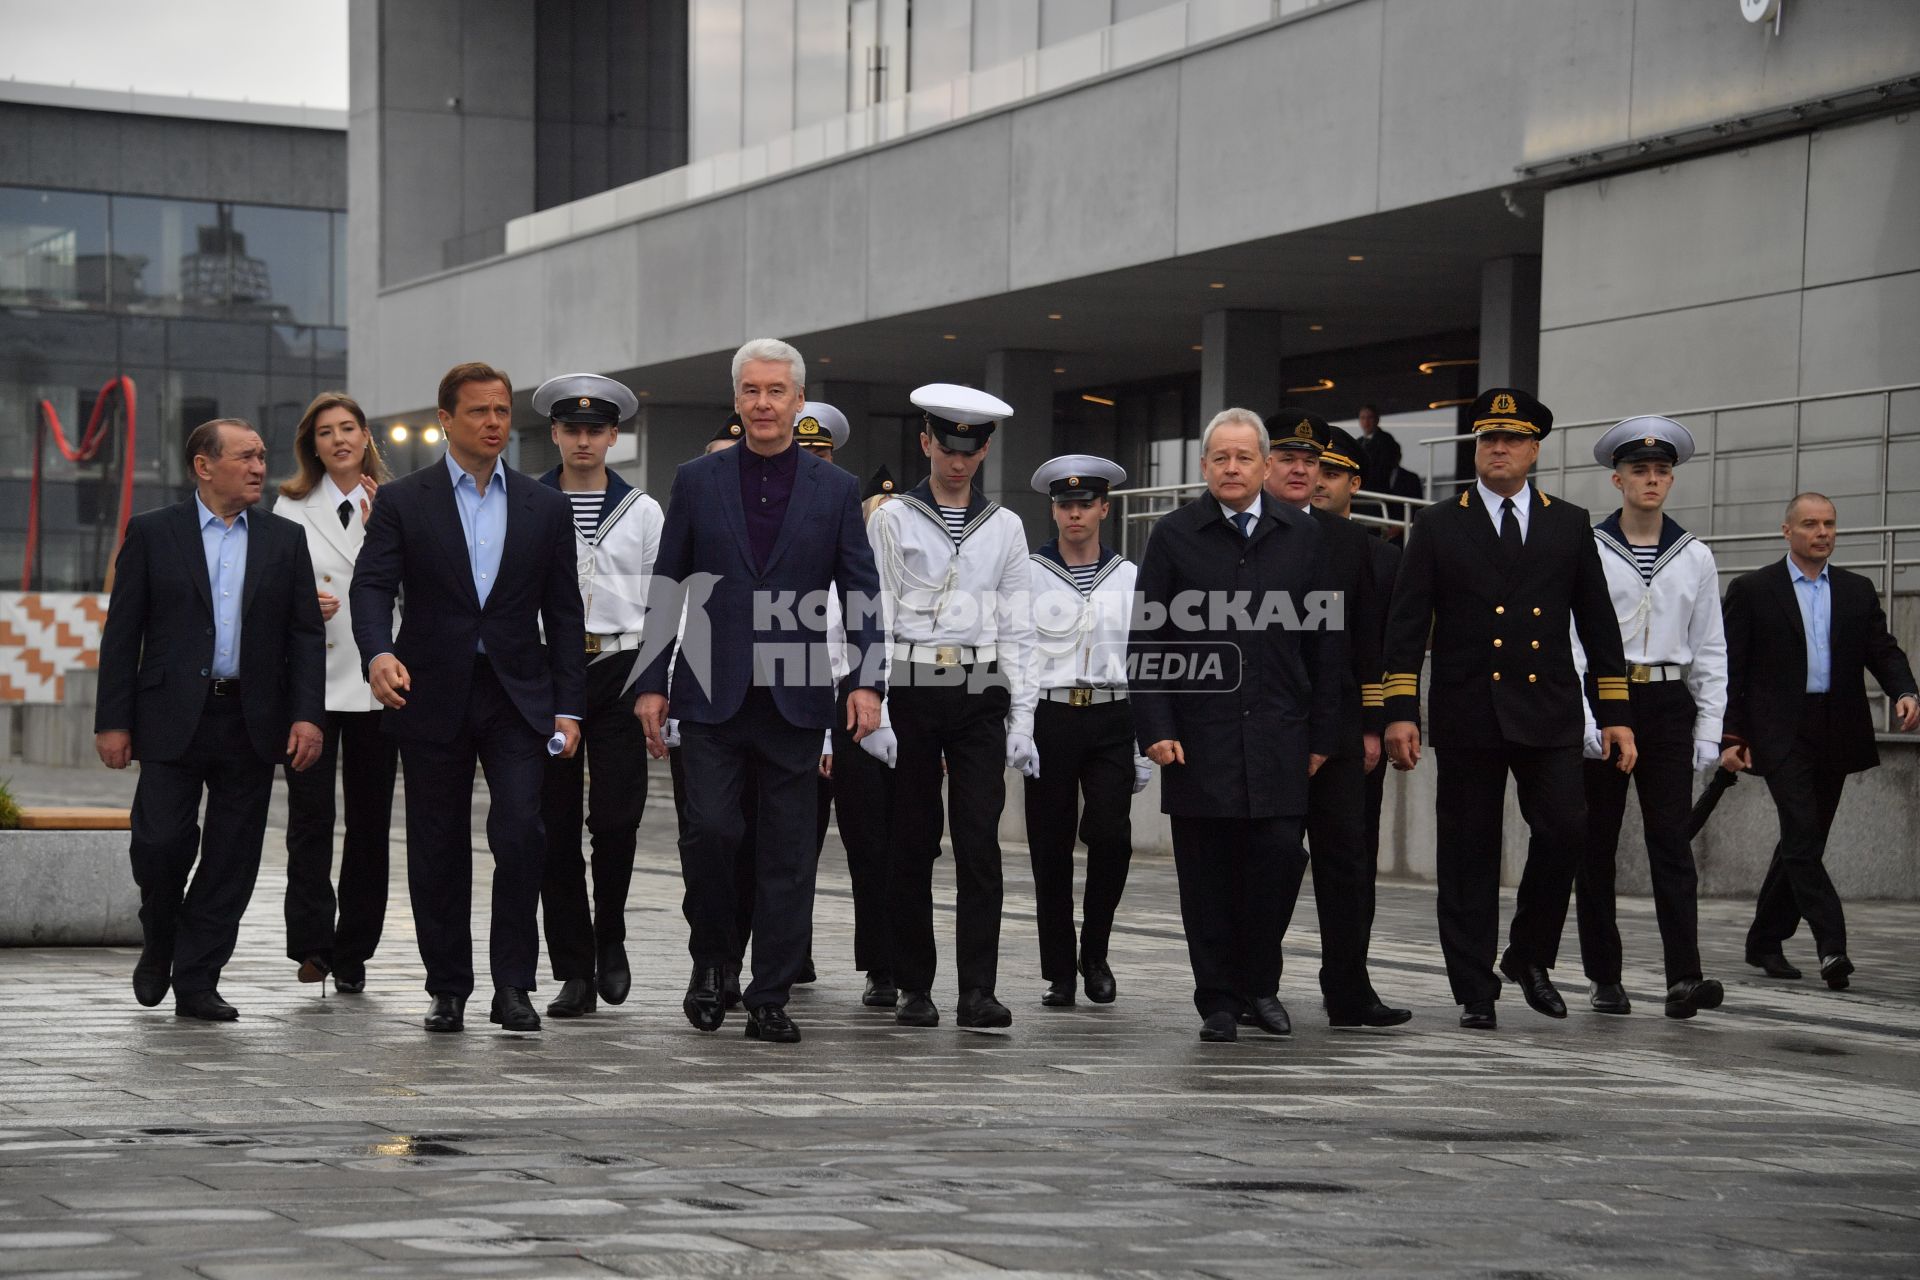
<point>1511,411</point>
<point>731,429</point>
<point>1294,429</point>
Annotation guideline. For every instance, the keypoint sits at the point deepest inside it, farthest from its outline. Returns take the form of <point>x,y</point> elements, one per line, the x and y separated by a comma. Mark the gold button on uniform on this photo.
<point>1496,675</point>
<point>326,577</point>
<point>1496,642</point>
<point>1536,644</point>
<point>1531,679</point>
<point>329,644</point>
<point>1499,608</point>
<point>1536,611</point>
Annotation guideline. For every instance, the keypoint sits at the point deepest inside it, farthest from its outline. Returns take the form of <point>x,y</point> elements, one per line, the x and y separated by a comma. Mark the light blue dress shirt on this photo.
<point>1815,596</point>
<point>1245,527</point>
<point>226,548</point>
<point>483,518</point>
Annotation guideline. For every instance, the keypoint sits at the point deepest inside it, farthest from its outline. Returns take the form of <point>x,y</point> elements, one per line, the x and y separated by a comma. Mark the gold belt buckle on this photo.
<point>593,643</point>
<point>1079,697</point>
<point>1639,673</point>
<point>946,655</point>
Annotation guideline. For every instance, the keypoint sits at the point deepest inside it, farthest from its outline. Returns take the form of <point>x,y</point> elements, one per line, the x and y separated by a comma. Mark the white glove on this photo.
<point>1594,748</point>
<point>1023,755</point>
<point>1706,755</point>
<point>1142,773</point>
<point>882,745</point>
<point>670,733</point>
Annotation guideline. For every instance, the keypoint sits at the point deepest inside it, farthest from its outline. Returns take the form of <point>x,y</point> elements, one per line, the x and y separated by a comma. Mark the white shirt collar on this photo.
<point>334,497</point>
<point>1253,510</point>
<point>1522,501</point>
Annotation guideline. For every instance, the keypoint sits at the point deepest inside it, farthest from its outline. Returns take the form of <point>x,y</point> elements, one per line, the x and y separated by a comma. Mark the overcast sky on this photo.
<point>280,51</point>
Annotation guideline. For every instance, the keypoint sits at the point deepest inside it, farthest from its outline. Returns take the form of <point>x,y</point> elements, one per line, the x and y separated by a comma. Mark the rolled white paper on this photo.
<point>557,743</point>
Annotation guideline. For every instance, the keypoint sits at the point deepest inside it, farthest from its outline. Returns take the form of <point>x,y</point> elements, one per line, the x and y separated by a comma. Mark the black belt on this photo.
<point>222,687</point>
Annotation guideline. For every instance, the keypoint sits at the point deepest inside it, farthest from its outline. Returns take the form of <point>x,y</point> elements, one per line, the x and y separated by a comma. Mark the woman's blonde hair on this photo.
<point>308,457</point>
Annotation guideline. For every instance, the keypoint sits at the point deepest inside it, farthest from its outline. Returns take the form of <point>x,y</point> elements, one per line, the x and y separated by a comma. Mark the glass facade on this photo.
<point>211,308</point>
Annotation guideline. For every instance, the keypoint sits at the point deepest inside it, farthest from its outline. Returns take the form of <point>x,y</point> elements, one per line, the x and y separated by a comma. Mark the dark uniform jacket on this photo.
<point>1767,667</point>
<point>1349,552</point>
<point>1246,745</point>
<point>1503,671</point>
<point>156,651</point>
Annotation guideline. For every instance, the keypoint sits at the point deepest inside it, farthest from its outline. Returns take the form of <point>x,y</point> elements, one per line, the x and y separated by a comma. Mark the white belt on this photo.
<point>945,655</point>
<point>1643,673</point>
<point>1083,696</point>
<point>601,646</point>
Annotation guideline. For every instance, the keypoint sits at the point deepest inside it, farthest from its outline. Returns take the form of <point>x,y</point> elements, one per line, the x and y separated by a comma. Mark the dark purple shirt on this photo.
<point>766,484</point>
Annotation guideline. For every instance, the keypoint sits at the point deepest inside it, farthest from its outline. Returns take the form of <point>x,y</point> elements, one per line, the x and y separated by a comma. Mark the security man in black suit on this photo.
<point>485,556</point>
<point>1300,444</point>
<point>1801,634</point>
<point>213,670</point>
<point>1235,683</point>
<point>1496,577</point>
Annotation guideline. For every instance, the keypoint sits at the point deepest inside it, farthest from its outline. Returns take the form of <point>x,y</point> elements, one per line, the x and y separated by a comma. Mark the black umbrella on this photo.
<point>1717,786</point>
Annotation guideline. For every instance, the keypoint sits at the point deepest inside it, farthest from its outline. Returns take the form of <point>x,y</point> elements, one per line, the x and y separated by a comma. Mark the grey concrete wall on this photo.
<point>158,156</point>
<point>1347,110</point>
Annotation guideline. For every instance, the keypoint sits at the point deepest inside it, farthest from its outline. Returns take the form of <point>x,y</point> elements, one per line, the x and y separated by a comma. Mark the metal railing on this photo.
<point>1136,509</point>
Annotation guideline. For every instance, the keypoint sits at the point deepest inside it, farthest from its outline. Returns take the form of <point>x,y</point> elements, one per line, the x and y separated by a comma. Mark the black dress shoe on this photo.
<point>446,1013</point>
<point>1536,986</point>
<point>1059,994</point>
<point>1479,1016</point>
<point>1374,1014</point>
<point>1609,997</point>
<point>1774,965</point>
<point>1270,1015</point>
<point>616,979</point>
<point>1690,995</point>
<point>880,992</point>
<point>1219,1028</point>
<point>151,980</point>
<point>1834,970</point>
<point>1099,980</point>
<point>770,1022</point>
<point>917,1010</point>
<point>978,1008</point>
<point>350,977</point>
<point>204,1005</point>
<point>706,1002</point>
<point>315,968</point>
<point>513,1011</point>
<point>574,1001</point>
<point>731,987</point>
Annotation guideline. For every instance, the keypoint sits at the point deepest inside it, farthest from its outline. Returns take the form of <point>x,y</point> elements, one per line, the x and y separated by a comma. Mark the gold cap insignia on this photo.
<point>585,401</point>
<point>1073,482</point>
<point>962,427</point>
<point>1503,403</point>
<point>809,426</point>
<point>733,429</point>
<point>1304,431</point>
<point>1650,440</point>
<point>886,486</point>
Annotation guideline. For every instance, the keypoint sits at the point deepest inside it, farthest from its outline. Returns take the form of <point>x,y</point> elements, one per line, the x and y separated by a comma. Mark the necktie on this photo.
<point>1509,530</point>
<point>1243,521</point>
<point>346,513</point>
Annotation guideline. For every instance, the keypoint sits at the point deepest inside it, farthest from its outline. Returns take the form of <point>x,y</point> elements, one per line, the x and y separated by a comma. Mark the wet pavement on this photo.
<point>1779,1136</point>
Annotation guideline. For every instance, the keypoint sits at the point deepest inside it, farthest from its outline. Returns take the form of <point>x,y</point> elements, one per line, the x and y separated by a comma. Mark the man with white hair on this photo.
<point>772,530</point>
<point>1235,688</point>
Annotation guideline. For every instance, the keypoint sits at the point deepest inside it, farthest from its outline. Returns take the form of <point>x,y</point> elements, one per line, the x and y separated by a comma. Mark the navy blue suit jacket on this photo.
<point>822,546</point>
<point>415,544</point>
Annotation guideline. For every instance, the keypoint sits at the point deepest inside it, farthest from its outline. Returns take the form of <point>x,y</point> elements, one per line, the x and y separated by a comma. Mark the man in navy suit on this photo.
<point>771,529</point>
<point>485,557</point>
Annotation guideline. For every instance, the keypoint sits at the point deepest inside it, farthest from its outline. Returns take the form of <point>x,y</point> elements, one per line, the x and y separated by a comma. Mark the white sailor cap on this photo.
<point>585,398</point>
<point>1642,439</point>
<point>1077,477</point>
<point>961,418</point>
<point>821,423</point>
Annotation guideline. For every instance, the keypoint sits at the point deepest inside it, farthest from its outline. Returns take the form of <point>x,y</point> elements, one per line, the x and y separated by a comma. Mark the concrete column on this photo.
<point>1239,362</point>
<point>1024,379</point>
<point>1510,323</point>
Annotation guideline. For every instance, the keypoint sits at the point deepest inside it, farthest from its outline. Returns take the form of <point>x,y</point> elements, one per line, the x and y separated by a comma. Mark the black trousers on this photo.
<point>1376,785</point>
<point>440,841</point>
<point>1663,733</point>
<point>1342,879</point>
<point>757,748</point>
<point>1084,752</point>
<point>1807,795</point>
<point>1239,880</point>
<point>862,802</point>
<point>612,764</point>
<point>366,760</point>
<point>197,923</point>
<point>1472,793</point>
<point>957,714</point>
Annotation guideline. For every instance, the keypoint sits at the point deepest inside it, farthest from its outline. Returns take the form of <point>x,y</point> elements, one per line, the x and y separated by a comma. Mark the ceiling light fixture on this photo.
<point>950,336</point>
<point>1196,347</point>
<point>823,359</point>
<point>1449,404</point>
<point>1098,400</point>
<point>1053,315</point>
<point>1315,328</point>
<point>1319,384</point>
<point>1356,257</point>
<point>430,436</point>
<point>397,433</point>
<point>1218,284</point>
<point>1428,366</point>
<point>1059,369</point>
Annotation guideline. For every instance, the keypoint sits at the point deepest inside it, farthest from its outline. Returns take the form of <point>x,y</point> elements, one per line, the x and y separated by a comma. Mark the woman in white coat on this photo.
<point>331,498</point>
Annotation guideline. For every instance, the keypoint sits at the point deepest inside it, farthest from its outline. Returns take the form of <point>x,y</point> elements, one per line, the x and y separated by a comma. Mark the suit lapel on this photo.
<point>805,479</point>
<point>1536,530</point>
<point>1787,599</point>
<point>324,516</point>
<point>444,515</point>
<point>1480,529</point>
<point>728,478</point>
<point>519,532</point>
<point>188,528</point>
<point>257,536</point>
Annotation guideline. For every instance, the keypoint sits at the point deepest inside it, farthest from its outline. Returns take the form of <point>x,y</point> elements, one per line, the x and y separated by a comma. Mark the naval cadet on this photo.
<point>953,571</point>
<point>1082,602</point>
<point>1665,589</point>
<point>616,535</point>
<point>1495,578</point>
